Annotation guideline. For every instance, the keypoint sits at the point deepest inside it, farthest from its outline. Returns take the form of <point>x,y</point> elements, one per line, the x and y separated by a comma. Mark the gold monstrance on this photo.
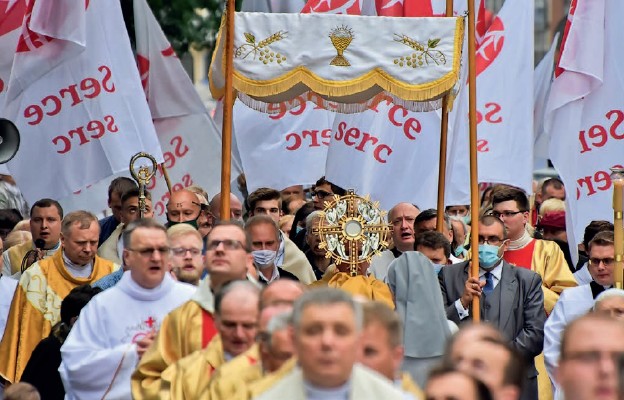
<point>352,230</point>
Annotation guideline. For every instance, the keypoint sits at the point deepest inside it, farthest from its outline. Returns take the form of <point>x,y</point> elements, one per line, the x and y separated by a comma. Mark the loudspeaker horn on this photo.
<point>9,140</point>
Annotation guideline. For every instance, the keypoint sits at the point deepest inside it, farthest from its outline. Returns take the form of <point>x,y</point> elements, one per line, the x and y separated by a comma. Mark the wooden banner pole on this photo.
<point>443,146</point>
<point>474,177</point>
<point>228,104</point>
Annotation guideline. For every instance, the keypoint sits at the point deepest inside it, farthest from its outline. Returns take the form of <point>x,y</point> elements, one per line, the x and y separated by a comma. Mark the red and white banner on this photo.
<point>75,94</point>
<point>585,113</point>
<point>189,138</point>
<point>387,153</point>
<point>11,16</point>
<point>541,90</point>
<point>504,106</point>
<point>283,149</point>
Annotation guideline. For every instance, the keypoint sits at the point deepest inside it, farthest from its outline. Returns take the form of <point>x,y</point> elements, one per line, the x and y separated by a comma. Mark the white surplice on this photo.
<point>100,352</point>
<point>573,303</point>
<point>7,289</point>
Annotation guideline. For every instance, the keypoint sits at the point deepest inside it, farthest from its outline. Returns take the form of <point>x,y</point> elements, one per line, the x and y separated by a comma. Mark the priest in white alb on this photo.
<point>115,329</point>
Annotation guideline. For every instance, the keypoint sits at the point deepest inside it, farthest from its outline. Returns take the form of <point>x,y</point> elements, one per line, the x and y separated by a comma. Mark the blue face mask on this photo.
<point>460,250</point>
<point>488,255</point>
<point>437,268</point>
<point>299,229</point>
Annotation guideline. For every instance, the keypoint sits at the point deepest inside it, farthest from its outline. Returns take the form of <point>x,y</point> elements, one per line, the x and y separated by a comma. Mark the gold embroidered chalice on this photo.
<point>341,38</point>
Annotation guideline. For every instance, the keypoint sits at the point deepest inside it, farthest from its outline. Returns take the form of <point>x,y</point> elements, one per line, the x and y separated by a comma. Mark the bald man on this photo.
<point>236,208</point>
<point>183,207</point>
<point>236,320</point>
<point>402,217</point>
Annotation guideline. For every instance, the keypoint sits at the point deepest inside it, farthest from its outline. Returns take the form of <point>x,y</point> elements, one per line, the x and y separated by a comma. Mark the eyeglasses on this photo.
<point>147,252</point>
<point>181,251</point>
<point>321,194</point>
<point>506,214</point>
<point>591,356</point>
<point>493,240</point>
<point>606,261</point>
<point>228,244</point>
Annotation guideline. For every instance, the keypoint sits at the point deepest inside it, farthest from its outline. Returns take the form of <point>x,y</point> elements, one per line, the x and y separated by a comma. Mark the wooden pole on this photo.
<point>618,207</point>
<point>228,104</point>
<point>474,177</point>
<point>443,146</point>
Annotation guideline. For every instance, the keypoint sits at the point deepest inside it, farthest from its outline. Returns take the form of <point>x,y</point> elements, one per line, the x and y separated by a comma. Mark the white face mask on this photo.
<point>264,258</point>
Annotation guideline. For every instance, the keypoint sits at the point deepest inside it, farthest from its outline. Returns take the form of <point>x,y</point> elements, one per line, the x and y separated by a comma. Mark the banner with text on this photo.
<point>79,106</point>
<point>283,149</point>
<point>585,113</point>
<point>504,105</point>
<point>385,152</point>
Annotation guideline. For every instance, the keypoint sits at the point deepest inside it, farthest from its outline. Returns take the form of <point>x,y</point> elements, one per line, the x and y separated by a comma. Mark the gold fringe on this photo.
<point>400,90</point>
<point>343,108</point>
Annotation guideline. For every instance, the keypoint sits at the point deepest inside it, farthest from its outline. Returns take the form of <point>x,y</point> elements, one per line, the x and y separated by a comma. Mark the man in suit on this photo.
<point>510,297</point>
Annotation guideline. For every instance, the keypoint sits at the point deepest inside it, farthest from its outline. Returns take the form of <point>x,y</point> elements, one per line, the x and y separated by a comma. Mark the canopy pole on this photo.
<point>228,103</point>
<point>474,176</point>
<point>443,147</point>
<point>618,207</point>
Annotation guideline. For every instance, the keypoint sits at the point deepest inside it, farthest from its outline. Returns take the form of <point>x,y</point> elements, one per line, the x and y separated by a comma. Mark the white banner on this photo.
<point>541,90</point>
<point>585,114</point>
<point>283,149</point>
<point>504,105</point>
<point>189,138</point>
<point>11,15</point>
<point>79,107</point>
<point>385,152</point>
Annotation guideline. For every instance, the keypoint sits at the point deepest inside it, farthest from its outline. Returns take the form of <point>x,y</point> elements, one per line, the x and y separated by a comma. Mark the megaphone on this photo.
<point>9,140</point>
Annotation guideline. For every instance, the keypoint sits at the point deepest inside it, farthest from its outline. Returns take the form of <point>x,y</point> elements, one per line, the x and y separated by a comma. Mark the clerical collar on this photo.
<point>73,266</point>
<point>314,392</point>
<point>396,252</point>
<point>49,252</point>
<point>520,242</point>
<point>597,288</point>
<point>136,291</point>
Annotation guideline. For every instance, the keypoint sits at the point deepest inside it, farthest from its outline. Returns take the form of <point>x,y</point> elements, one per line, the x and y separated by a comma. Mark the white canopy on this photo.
<point>342,62</point>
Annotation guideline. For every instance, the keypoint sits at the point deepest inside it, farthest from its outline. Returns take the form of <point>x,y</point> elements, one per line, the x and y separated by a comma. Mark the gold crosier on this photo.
<point>143,176</point>
<point>352,230</point>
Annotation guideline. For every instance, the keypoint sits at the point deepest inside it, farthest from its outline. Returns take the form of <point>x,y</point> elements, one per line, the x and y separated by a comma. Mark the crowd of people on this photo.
<point>251,306</point>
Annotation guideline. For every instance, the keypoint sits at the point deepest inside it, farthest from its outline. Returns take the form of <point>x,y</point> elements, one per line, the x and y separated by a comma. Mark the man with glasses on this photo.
<point>591,347</point>
<point>191,326</point>
<point>115,329</point>
<point>186,261</point>
<point>509,297</point>
<point>577,301</point>
<point>511,205</point>
<point>323,191</point>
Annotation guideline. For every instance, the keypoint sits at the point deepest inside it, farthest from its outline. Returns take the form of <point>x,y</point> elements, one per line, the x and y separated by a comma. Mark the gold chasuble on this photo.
<point>36,307</point>
<point>183,379</point>
<point>546,258</point>
<point>203,375</point>
<point>408,385</point>
<point>263,384</point>
<point>185,330</point>
<point>17,254</point>
<point>368,287</point>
